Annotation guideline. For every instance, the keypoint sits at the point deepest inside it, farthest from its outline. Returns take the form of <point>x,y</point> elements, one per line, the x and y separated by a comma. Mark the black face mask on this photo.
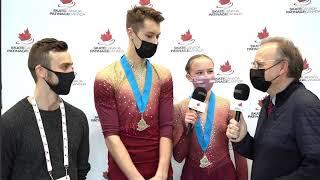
<point>64,84</point>
<point>258,81</point>
<point>146,50</point>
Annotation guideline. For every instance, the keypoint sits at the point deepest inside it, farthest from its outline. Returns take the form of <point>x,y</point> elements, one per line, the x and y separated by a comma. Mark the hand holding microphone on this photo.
<point>196,105</point>
<point>237,129</point>
<point>191,118</point>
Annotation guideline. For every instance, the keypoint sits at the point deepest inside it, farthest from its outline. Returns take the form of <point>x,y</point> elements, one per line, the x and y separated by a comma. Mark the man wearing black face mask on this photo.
<point>134,101</point>
<point>44,137</point>
<point>286,144</point>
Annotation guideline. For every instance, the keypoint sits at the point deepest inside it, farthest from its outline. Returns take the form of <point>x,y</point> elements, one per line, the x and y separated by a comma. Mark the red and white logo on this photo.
<point>223,4</point>
<point>67,3</point>
<point>197,105</point>
<point>260,36</point>
<point>106,44</point>
<point>186,39</point>
<point>263,34</point>
<point>145,3</point>
<point>302,2</point>
<point>306,68</point>
<point>226,69</point>
<point>187,43</point>
<point>25,38</point>
<point>106,38</point>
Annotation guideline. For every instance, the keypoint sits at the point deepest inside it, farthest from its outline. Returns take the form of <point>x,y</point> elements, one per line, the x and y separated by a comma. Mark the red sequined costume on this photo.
<point>119,115</point>
<point>187,147</point>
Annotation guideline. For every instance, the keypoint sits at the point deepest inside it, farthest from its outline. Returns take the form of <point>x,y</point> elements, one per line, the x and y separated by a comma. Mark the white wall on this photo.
<point>224,32</point>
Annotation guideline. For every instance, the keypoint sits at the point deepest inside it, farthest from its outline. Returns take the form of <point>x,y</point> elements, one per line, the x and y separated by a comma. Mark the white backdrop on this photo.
<point>228,31</point>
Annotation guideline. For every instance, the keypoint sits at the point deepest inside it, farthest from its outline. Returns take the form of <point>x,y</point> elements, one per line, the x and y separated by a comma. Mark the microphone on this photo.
<point>241,92</point>
<point>196,102</point>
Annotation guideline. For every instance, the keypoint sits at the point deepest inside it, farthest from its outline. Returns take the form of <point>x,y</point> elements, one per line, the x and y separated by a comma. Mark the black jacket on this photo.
<point>286,145</point>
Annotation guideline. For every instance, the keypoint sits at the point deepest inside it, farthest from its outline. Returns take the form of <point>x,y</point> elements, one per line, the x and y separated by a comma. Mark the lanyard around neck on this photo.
<point>141,99</point>
<point>204,136</point>
<point>44,138</point>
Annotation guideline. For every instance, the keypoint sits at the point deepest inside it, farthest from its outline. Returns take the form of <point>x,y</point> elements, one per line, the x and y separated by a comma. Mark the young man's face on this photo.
<point>59,62</point>
<point>150,32</point>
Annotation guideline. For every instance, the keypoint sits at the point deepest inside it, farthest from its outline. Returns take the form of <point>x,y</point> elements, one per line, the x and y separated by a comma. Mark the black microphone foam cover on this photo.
<point>199,94</point>
<point>241,92</point>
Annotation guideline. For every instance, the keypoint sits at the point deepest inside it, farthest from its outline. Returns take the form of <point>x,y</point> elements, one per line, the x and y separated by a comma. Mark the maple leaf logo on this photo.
<point>302,2</point>
<point>225,67</point>
<point>223,2</point>
<point>263,34</point>
<point>144,2</point>
<point>260,102</point>
<point>106,37</point>
<point>25,35</point>
<point>187,36</point>
<point>306,67</point>
<point>66,1</point>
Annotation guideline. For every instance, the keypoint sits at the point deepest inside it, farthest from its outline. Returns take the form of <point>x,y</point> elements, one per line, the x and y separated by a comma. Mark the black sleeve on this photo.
<point>83,152</point>
<point>245,147</point>
<point>8,147</point>
<point>307,134</point>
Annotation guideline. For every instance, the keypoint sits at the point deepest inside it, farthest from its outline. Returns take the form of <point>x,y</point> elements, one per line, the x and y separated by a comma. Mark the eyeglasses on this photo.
<point>260,64</point>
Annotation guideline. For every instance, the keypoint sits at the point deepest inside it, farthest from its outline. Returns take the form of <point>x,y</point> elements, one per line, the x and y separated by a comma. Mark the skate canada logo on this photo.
<point>187,44</point>
<point>106,39</point>
<point>226,74</point>
<point>224,8</point>
<point>24,42</point>
<point>255,113</point>
<point>226,69</point>
<point>307,73</point>
<point>106,44</point>
<point>66,8</point>
<point>261,35</point>
<point>302,7</point>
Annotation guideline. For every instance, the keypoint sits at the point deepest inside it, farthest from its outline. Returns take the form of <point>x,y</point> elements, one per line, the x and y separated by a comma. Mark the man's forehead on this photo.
<point>150,26</point>
<point>60,57</point>
<point>268,50</point>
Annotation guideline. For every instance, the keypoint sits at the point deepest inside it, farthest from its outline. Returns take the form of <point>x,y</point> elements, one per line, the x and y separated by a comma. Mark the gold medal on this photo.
<point>204,162</point>
<point>142,124</point>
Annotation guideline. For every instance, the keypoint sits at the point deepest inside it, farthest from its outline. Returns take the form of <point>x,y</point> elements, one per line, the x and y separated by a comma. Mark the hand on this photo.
<point>236,131</point>
<point>190,118</point>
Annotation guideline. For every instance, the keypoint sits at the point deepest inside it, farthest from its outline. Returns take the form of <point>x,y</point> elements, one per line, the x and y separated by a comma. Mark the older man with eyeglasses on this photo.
<point>286,144</point>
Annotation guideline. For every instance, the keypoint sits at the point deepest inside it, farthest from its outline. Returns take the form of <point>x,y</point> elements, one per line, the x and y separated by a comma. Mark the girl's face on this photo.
<point>200,67</point>
<point>201,73</point>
